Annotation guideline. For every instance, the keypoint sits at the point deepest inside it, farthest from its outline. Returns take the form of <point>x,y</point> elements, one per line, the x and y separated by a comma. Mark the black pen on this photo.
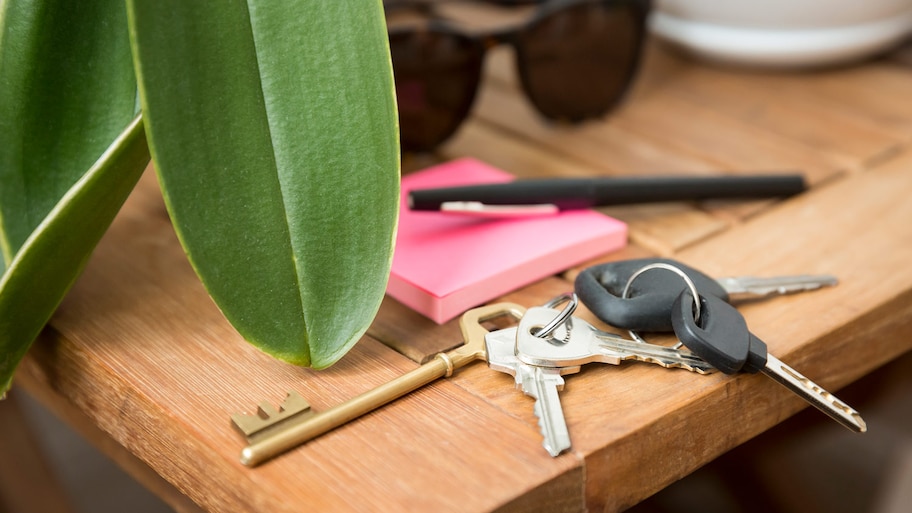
<point>550,195</point>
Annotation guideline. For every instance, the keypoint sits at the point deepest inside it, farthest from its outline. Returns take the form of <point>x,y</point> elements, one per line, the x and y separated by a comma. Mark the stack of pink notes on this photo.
<point>446,263</point>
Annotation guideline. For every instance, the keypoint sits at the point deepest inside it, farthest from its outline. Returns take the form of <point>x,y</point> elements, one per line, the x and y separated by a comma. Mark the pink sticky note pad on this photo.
<point>445,264</point>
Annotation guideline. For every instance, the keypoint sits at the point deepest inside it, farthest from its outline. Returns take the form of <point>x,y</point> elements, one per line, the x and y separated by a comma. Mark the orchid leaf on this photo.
<point>51,259</point>
<point>67,90</point>
<point>273,129</point>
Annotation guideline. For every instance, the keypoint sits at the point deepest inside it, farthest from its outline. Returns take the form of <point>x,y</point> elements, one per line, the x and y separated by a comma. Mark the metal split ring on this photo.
<point>562,317</point>
<point>679,272</point>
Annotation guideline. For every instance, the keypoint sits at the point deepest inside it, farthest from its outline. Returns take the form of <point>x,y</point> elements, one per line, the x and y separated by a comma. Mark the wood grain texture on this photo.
<point>143,353</point>
<point>87,428</point>
<point>833,336</point>
<point>165,387</point>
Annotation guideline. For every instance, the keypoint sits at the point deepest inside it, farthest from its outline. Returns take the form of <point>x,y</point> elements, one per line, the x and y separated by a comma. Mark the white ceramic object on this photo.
<point>783,33</point>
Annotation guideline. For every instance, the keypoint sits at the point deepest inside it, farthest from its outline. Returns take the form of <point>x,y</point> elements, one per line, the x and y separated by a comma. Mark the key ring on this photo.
<point>687,281</point>
<point>572,302</point>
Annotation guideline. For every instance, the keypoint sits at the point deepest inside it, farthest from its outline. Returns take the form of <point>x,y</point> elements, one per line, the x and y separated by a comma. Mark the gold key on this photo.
<point>271,432</point>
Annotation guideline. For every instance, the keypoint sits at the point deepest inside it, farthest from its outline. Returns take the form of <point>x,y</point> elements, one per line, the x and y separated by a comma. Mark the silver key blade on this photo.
<point>623,349</point>
<point>814,394</point>
<point>750,287</point>
<point>543,384</point>
<point>577,343</point>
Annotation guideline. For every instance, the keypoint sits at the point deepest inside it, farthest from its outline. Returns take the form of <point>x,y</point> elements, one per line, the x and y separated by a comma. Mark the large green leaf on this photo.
<point>67,90</point>
<point>273,129</point>
<point>57,251</point>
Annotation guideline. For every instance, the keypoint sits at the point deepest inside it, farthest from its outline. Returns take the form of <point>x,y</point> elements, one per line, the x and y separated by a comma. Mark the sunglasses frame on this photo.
<point>482,41</point>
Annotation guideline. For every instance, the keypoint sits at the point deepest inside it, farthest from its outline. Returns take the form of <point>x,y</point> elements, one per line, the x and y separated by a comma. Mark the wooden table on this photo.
<point>140,360</point>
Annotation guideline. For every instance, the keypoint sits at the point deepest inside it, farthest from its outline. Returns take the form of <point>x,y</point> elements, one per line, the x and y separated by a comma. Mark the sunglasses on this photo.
<point>575,60</point>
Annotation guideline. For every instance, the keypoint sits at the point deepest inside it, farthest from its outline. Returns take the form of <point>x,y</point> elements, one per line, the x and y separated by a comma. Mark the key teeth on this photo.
<point>267,416</point>
<point>550,442</point>
<point>546,443</point>
<point>701,369</point>
<point>698,366</point>
<point>747,287</point>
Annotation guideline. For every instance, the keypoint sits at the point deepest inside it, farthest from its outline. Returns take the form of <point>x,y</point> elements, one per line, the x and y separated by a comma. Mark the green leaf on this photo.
<point>273,129</point>
<point>67,90</point>
<point>54,255</point>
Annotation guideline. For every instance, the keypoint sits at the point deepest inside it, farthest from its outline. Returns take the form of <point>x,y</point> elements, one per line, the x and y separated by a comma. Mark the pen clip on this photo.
<point>479,209</point>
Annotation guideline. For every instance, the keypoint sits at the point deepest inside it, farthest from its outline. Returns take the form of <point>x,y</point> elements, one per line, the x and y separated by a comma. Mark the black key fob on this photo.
<point>648,305</point>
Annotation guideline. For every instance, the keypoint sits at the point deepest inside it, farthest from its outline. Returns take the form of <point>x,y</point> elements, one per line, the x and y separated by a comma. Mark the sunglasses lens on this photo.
<point>577,63</point>
<point>436,79</point>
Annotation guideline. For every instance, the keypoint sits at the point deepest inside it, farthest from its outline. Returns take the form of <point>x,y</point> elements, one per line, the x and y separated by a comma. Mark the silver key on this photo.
<point>722,337</point>
<point>750,287</point>
<point>541,383</point>
<point>637,294</point>
<point>576,342</point>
